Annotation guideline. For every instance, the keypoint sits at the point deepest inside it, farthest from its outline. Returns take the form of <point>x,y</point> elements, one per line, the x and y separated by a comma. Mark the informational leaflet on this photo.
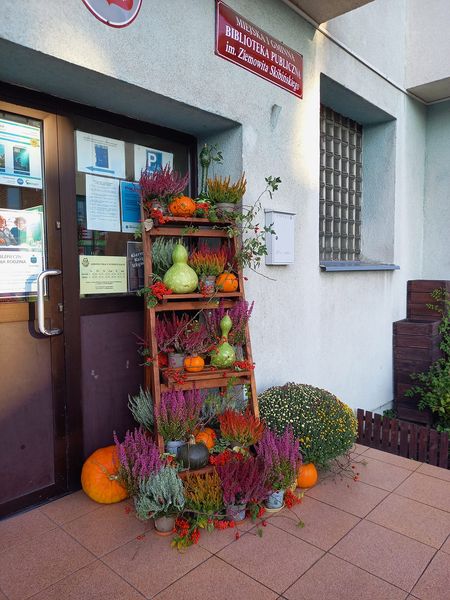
<point>102,203</point>
<point>20,154</point>
<point>103,274</point>
<point>135,262</point>
<point>21,252</point>
<point>150,159</point>
<point>100,155</point>
<point>130,201</point>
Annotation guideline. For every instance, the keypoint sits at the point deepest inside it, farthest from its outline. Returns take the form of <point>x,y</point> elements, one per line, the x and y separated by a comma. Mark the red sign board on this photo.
<point>115,13</point>
<point>248,46</point>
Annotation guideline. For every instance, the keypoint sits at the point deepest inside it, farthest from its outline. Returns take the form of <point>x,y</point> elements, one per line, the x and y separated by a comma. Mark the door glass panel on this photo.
<point>22,231</point>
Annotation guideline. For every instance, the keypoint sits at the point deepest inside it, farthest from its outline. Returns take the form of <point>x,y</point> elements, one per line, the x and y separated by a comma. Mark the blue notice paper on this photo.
<point>130,201</point>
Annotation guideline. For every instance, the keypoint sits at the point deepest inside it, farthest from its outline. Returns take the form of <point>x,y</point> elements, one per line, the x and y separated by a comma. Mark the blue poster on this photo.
<point>130,201</point>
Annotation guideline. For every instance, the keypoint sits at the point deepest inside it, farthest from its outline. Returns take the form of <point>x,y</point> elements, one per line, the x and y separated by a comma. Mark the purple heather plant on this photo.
<point>178,413</point>
<point>243,481</point>
<point>162,184</point>
<point>280,456</point>
<point>181,334</point>
<point>138,458</point>
<point>239,314</point>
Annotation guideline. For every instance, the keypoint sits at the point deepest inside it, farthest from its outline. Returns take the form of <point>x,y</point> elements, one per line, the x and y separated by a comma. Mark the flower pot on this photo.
<point>227,207</point>
<point>307,476</point>
<point>173,445</point>
<point>236,512</point>
<point>208,284</point>
<point>159,205</point>
<point>239,351</point>
<point>276,500</point>
<point>176,360</point>
<point>164,525</point>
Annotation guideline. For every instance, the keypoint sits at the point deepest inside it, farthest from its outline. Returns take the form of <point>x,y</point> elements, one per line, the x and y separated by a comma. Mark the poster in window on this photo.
<point>102,203</point>
<point>20,155</point>
<point>100,155</point>
<point>135,262</point>
<point>149,159</point>
<point>130,203</point>
<point>103,274</point>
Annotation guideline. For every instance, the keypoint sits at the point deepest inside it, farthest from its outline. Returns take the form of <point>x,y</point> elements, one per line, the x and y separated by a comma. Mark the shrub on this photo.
<point>159,495</point>
<point>325,426</point>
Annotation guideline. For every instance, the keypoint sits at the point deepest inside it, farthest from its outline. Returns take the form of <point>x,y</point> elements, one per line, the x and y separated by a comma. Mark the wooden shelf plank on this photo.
<point>182,232</point>
<point>206,374</point>
<point>193,220</point>
<point>196,296</point>
<point>205,384</point>
<point>198,305</point>
<point>203,471</point>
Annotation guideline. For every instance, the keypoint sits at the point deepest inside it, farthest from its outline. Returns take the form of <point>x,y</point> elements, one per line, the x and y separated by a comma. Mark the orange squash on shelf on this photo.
<point>206,438</point>
<point>307,476</point>
<point>227,282</point>
<point>194,364</point>
<point>99,477</point>
<point>183,206</point>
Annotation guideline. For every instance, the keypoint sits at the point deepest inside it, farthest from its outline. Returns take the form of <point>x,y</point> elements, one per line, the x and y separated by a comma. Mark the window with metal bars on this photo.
<point>340,187</point>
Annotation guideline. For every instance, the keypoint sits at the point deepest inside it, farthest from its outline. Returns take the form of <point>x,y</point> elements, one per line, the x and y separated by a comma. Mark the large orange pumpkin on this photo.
<point>307,476</point>
<point>227,282</point>
<point>194,364</point>
<point>204,437</point>
<point>99,477</point>
<point>183,206</point>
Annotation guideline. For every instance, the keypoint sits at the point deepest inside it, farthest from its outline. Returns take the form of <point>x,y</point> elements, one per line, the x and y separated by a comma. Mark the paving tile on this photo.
<point>380,474</point>
<point>446,546</point>
<point>351,496</point>
<point>435,582</point>
<point>324,525</point>
<point>32,566</point>
<point>216,580</point>
<point>432,471</point>
<point>429,490</point>
<point>2,596</point>
<point>150,565</point>
<point>108,528</point>
<point>423,523</point>
<point>334,578</point>
<point>95,580</point>
<point>276,560</point>
<point>23,527</point>
<point>69,508</point>
<point>384,553</point>
<point>358,448</point>
<point>392,459</point>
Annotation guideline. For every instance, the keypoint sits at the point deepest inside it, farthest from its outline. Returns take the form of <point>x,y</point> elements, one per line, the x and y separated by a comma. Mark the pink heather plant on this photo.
<point>138,458</point>
<point>162,184</point>
<point>281,457</point>
<point>243,481</point>
<point>180,334</point>
<point>178,413</point>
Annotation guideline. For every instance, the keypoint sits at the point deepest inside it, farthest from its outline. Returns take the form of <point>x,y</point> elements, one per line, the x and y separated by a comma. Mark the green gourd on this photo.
<point>225,355</point>
<point>180,278</point>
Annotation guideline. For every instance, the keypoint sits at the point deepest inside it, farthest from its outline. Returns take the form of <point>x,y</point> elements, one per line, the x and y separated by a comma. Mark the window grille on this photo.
<point>340,186</point>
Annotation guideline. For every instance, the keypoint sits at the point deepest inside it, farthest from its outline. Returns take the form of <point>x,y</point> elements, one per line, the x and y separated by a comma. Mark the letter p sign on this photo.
<point>154,160</point>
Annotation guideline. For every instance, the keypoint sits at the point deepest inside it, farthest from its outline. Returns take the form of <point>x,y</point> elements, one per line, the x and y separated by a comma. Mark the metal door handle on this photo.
<point>40,302</point>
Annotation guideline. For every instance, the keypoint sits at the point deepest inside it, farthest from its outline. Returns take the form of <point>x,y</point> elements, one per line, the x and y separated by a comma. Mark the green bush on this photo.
<point>325,426</point>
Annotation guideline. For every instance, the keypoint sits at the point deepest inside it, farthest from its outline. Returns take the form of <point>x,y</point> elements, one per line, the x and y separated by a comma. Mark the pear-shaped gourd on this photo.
<point>180,278</point>
<point>225,355</point>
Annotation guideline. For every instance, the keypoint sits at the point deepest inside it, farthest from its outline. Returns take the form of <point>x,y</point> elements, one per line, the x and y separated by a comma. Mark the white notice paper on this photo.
<point>102,203</point>
<point>100,155</point>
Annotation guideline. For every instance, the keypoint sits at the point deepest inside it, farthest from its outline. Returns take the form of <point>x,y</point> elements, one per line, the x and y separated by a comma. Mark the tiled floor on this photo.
<point>386,536</point>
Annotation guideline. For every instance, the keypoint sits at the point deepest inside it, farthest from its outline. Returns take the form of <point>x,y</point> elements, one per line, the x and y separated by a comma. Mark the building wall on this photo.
<point>330,330</point>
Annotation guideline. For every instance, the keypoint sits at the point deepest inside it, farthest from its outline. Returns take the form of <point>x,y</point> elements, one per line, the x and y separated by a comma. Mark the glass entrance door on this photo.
<point>32,412</point>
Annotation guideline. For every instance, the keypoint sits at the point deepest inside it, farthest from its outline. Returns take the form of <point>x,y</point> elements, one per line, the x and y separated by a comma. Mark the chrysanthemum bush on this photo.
<point>325,427</point>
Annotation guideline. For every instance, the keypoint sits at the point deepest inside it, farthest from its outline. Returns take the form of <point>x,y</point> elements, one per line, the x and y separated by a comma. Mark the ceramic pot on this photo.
<point>173,445</point>
<point>164,525</point>
<point>275,500</point>
<point>208,284</point>
<point>159,205</point>
<point>227,207</point>
<point>176,360</point>
<point>236,512</point>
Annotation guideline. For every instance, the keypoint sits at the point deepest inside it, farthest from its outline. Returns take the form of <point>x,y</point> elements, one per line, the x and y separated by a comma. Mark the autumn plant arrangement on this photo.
<point>225,195</point>
<point>180,336</point>
<point>177,416</point>
<point>158,188</point>
<point>242,430</point>
<point>208,264</point>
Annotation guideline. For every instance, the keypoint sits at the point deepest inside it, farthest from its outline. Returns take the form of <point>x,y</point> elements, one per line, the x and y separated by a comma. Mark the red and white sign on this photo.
<point>115,13</point>
<point>246,45</point>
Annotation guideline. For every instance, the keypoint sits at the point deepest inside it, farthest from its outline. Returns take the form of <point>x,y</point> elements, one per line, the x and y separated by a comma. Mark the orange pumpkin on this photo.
<point>307,476</point>
<point>227,282</point>
<point>99,477</point>
<point>194,364</point>
<point>183,206</point>
<point>204,437</point>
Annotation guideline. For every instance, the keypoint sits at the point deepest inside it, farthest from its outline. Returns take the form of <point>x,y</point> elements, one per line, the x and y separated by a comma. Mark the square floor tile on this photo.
<point>384,553</point>
<point>358,448</point>
<point>351,496</point>
<point>392,459</point>
<point>216,580</point>
<point>2,596</point>
<point>334,578</point>
<point>94,581</point>
<point>108,528</point>
<point>70,507</point>
<point>151,564</point>
<point>276,560</point>
<point>432,471</point>
<point>446,546</point>
<point>324,525</point>
<point>380,474</point>
<point>429,490</point>
<point>423,523</point>
<point>32,566</point>
<point>23,527</point>
<point>435,582</point>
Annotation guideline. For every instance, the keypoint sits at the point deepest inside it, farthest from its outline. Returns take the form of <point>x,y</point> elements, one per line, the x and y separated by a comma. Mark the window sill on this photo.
<point>337,266</point>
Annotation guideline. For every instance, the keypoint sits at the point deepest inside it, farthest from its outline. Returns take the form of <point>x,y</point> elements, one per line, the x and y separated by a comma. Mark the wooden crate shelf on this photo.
<point>198,305</point>
<point>184,232</point>
<point>206,384</point>
<point>175,297</point>
<point>169,375</point>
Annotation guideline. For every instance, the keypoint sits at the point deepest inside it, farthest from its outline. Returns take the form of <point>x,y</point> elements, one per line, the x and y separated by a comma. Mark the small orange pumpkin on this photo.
<point>194,364</point>
<point>183,206</point>
<point>204,437</point>
<point>227,282</point>
<point>307,476</point>
<point>99,477</point>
